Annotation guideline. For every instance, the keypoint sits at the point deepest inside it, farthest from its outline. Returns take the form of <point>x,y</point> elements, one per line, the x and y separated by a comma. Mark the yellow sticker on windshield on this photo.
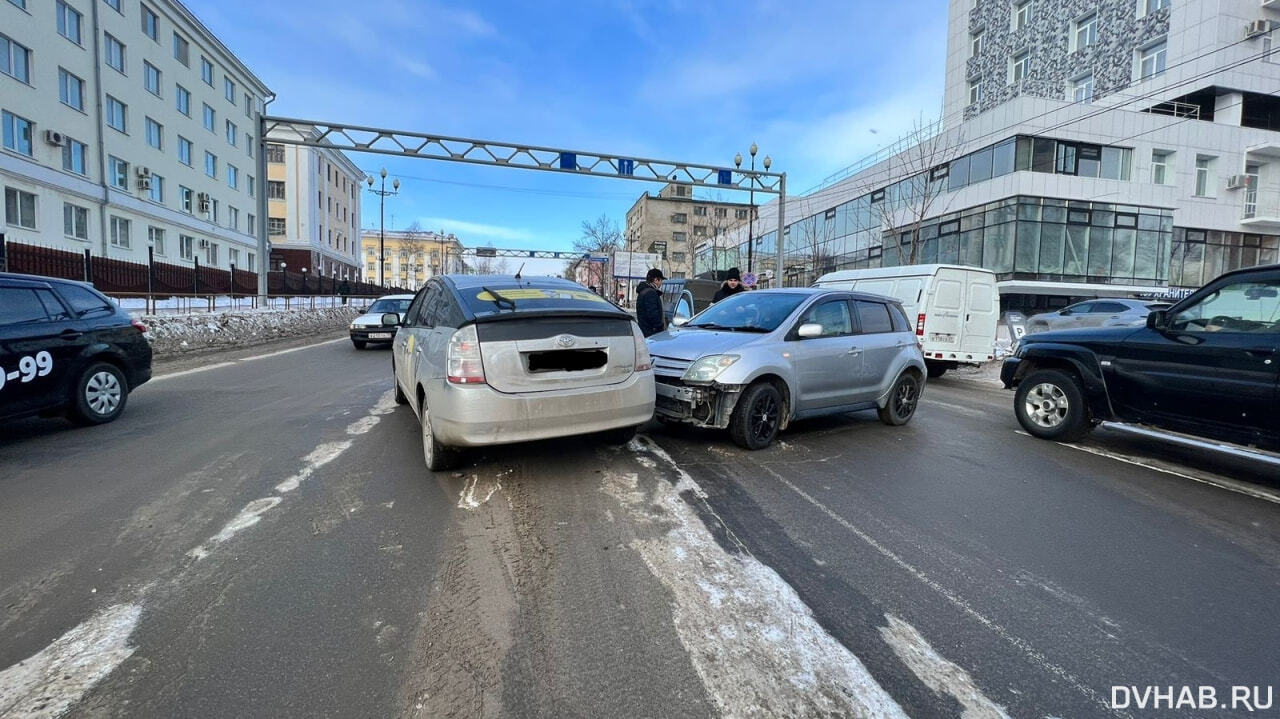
<point>535,293</point>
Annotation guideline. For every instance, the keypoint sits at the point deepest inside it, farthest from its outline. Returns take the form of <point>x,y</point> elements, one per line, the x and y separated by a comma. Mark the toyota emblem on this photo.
<point>565,341</point>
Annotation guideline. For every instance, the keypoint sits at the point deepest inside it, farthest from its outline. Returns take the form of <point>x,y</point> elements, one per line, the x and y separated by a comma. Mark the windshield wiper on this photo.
<point>499,300</point>
<point>714,326</point>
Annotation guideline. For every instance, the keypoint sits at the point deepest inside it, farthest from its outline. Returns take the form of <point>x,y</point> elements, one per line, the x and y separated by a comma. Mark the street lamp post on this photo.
<point>751,217</point>
<point>283,278</point>
<point>382,219</point>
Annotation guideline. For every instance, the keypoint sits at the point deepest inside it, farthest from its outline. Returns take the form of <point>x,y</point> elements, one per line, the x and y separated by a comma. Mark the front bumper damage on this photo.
<point>700,405</point>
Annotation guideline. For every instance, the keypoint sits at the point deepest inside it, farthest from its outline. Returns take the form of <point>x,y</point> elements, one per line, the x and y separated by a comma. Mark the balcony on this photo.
<point>1261,206</point>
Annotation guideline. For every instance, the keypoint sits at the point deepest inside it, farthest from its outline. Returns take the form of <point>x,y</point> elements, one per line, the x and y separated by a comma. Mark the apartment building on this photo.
<point>412,256</point>
<point>674,223</point>
<point>313,209</point>
<point>127,128</point>
<point>1087,148</point>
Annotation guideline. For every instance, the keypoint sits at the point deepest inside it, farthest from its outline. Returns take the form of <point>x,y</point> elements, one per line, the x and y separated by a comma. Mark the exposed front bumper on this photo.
<point>373,334</point>
<point>471,416</point>
<point>704,406</point>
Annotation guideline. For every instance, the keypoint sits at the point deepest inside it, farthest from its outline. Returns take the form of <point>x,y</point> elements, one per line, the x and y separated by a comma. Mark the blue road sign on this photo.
<point>568,161</point>
<point>601,260</point>
<point>725,177</point>
<point>626,167</point>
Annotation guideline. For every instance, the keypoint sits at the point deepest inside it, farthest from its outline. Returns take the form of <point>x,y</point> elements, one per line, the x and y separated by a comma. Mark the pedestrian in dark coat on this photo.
<point>649,303</point>
<point>732,285</point>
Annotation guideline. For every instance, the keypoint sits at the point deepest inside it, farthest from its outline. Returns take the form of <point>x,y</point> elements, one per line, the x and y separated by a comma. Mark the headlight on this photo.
<point>709,367</point>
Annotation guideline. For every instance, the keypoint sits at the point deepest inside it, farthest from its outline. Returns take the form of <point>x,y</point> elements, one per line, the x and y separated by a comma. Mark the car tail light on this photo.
<point>463,357</point>
<point>138,324</point>
<point>643,360</point>
<point>920,324</point>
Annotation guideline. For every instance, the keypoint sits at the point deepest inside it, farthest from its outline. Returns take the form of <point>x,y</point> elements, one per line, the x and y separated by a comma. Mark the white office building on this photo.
<point>1099,148</point>
<point>126,126</point>
<point>313,212</point>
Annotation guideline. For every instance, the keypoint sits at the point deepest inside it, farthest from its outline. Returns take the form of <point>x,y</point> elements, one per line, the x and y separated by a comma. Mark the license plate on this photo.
<point>379,335</point>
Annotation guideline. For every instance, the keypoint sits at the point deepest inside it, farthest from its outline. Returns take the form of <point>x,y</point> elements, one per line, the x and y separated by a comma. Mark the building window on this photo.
<point>118,173</point>
<point>275,153</point>
<point>975,91</point>
<point>680,218</point>
<point>206,71</point>
<point>181,50</point>
<point>722,212</point>
<point>229,90</point>
<point>15,60</point>
<point>1082,89</point>
<point>211,254</point>
<point>740,214</point>
<point>19,208</point>
<point>185,197</point>
<point>184,151</point>
<point>20,3</point>
<point>679,237</point>
<point>250,186</point>
<point>233,176</point>
<point>17,133</point>
<point>186,246</point>
<point>1021,65</point>
<point>75,221</point>
<point>248,106</point>
<point>1150,6</point>
<point>1022,14</point>
<point>1086,33</point>
<point>70,90</point>
<point>251,224</point>
<point>1161,167</point>
<point>700,211</point>
<point>114,53</point>
<point>1151,60</point>
<point>275,226</point>
<point>183,101</point>
<point>117,114</point>
<point>120,229</point>
<point>275,189</point>
<point>74,155</point>
<point>233,257</point>
<point>248,144</point>
<point>1269,53</point>
<point>150,24</point>
<point>211,165</point>
<point>699,230</point>
<point>151,78</point>
<point>155,237</point>
<point>210,117</point>
<point>155,134</point>
<point>115,5</point>
<point>976,41</point>
<point>157,189</point>
<point>1204,168</point>
<point>233,217</point>
<point>70,23</point>
<point>233,133</point>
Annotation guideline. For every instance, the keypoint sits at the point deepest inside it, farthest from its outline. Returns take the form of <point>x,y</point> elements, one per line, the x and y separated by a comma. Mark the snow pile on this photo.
<point>178,334</point>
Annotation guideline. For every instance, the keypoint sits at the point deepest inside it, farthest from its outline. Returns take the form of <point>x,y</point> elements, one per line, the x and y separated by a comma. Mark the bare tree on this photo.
<point>599,237</point>
<point>816,233</point>
<point>412,243</point>
<point>914,191</point>
<point>492,266</point>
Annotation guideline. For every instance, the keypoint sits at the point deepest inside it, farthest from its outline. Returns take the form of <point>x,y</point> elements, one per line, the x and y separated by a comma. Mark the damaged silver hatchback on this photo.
<point>755,361</point>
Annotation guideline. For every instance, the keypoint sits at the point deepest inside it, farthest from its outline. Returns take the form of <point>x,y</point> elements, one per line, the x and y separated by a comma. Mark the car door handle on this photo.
<point>854,351</point>
<point>71,335</point>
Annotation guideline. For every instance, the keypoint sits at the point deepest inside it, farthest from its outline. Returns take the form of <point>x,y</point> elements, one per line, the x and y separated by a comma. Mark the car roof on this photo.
<point>395,297</point>
<point>464,282</point>
<point>39,280</point>
<point>815,291</point>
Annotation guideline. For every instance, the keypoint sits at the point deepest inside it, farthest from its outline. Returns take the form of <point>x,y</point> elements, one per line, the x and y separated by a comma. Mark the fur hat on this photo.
<point>733,274</point>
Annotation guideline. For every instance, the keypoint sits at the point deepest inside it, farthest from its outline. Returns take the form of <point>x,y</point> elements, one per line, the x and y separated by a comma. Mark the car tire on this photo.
<point>438,457</point>
<point>101,392</point>
<point>619,436</point>
<point>400,395</point>
<point>359,344</point>
<point>1050,404</point>
<point>757,417</point>
<point>935,369</point>
<point>903,400</point>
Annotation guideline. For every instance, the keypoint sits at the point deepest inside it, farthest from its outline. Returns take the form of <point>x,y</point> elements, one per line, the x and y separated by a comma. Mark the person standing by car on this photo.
<point>732,286</point>
<point>649,303</point>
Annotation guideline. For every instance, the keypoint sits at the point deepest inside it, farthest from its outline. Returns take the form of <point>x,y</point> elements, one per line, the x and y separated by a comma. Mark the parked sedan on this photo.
<point>1096,313</point>
<point>368,327</point>
<point>755,361</point>
<point>487,360</point>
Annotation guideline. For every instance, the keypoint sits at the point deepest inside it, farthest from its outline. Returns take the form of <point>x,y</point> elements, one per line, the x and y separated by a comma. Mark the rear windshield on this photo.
<point>397,306</point>
<point>481,301</point>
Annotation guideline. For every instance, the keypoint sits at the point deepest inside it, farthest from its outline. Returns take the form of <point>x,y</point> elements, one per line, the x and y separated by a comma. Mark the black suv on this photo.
<point>1208,366</point>
<point>64,347</point>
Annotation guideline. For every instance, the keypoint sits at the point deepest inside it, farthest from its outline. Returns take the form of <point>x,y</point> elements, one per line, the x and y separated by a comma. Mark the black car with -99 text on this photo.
<point>67,348</point>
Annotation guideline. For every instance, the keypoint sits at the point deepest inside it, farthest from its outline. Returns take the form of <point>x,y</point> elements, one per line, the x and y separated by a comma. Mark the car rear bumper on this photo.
<point>472,416</point>
<point>366,335</point>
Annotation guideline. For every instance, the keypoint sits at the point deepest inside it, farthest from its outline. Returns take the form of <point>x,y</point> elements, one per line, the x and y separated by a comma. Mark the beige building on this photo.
<point>128,127</point>
<point>674,223</point>
<point>412,256</point>
<point>313,209</point>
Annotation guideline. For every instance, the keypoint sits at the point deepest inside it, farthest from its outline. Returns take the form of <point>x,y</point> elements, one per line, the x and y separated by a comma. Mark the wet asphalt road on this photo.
<point>283,553</point>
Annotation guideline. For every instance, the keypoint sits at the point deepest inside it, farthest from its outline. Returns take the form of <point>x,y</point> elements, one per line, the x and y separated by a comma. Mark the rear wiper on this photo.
<point>499,300</point>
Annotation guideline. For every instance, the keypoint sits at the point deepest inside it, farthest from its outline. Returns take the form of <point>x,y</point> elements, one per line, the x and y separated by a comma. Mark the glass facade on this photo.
<point>1198,256</point>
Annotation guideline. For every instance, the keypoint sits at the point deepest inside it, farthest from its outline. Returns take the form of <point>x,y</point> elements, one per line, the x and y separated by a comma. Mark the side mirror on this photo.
<point>679,320</point>
<point>390,319</point>
<point>810,329</point>
<point>1158,320</point>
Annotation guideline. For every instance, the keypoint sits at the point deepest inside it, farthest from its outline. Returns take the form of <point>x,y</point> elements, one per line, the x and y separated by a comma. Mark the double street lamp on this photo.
<point>382,219</point>
<point>751,218</point>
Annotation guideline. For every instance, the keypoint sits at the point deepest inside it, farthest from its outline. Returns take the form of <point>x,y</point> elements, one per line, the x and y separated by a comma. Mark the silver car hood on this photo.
<point>370,319</point>
<point>690,344</point>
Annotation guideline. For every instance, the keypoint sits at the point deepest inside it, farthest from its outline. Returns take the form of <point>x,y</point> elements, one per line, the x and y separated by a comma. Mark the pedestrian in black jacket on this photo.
<point>732,285</point>
<point>649,303</point>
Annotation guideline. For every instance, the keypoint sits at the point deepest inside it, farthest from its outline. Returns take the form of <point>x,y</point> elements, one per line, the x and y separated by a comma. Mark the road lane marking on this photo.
<point>751,639</point>
<point>206,368</point>
<point>1230,485</point>
<point>50,682</point>
<point>951,597</point>
<point>937,673</point>
<point>966,411</point>
<point>292,349</point>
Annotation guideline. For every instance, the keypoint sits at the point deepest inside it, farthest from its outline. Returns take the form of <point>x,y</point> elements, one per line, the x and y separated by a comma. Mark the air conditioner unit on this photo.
<point>144,183</point>
<point>203,200</point>
<point>1237,182</point>
<point>143,171</point>
<point>1257,27</point>
<point>53,137</point>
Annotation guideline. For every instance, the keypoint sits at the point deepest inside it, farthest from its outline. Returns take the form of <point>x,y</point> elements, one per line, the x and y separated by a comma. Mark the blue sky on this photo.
<point>817,84</point>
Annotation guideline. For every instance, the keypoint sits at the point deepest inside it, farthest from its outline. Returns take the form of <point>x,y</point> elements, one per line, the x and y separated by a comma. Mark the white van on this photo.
<point>955,307</point>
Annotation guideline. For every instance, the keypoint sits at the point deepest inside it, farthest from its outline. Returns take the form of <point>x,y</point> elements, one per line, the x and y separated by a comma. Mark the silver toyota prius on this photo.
<point>755,361</point>
<point>487,360</point>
